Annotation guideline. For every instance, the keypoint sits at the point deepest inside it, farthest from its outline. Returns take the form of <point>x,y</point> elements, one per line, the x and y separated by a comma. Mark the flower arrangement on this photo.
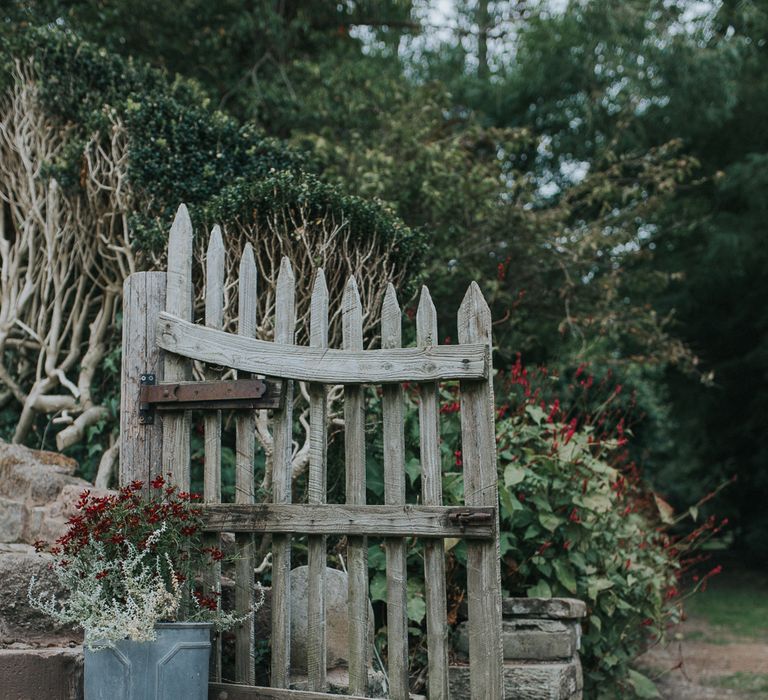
<point>129,562</point>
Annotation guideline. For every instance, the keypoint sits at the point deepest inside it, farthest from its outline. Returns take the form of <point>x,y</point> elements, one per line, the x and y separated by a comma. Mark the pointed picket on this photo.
<point>354,448</point>
<point>214,318</point>
<point>478,445</point>
<point>432,495</point>
<point>285,325</point>
<point>317,487</point>
<point>245,444</point>
<point>178,301</point>
<point>394,494</point>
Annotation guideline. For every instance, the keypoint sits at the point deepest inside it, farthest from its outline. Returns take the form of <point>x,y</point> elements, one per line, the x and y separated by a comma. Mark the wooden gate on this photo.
<point>160,341</point>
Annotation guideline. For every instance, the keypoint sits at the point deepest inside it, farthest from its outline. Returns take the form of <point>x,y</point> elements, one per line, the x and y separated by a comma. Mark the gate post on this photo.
<point>140,444</point>
<point>478,445</point>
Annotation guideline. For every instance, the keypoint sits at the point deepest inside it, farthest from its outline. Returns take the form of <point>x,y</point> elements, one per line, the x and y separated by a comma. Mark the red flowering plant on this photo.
<point>576,517</point>
<point>128,562</point>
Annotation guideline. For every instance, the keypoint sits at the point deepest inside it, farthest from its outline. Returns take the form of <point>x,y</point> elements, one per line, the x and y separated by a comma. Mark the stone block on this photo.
<point>19,621</point>
<point>544,608</point>
<point>52,674</point>
<point>527,681</point>
<point>336,619</point>
<point>542,640</point>
<point>13,516</point>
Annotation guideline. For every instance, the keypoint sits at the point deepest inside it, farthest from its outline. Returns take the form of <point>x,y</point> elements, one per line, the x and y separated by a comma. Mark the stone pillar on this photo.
<point>541,641</point>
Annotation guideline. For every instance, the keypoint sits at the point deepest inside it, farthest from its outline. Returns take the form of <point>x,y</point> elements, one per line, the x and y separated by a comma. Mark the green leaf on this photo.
<point>416,608</point>
<point>413,470</point>
<point>565,575</point>
<point>540,590</point>
<point>510,503</point>
<point>513,475</point>
<point>536,413</point>
<point>643,686</point>
<point>550,521</point>
<point>378,587</point>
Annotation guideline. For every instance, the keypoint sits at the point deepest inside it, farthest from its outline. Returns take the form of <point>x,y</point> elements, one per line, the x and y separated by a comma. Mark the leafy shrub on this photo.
<point>576,518</point>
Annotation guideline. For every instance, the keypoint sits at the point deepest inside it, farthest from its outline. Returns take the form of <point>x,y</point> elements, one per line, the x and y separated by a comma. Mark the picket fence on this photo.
<point>160,340</point>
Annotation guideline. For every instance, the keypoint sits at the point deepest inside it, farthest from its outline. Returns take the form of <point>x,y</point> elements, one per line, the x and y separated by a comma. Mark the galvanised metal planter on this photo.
<point>173,667</point>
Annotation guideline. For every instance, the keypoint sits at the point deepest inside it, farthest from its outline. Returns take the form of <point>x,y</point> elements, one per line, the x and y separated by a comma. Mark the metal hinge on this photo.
<point>467,517</point>
<point>236,394</point>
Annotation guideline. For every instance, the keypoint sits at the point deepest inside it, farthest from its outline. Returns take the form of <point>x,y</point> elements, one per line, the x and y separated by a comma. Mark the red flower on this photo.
<point>188,530</point>
<point>158,482</point>
<point>102,574</point>
<point>137,485</point>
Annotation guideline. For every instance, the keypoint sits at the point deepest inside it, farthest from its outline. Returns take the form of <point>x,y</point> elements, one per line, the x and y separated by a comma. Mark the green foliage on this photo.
<point>571,530</point>
<point>576,519</point>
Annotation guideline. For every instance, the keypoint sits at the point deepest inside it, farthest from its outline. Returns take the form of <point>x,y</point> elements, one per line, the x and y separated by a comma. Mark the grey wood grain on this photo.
<point>178,301</point>
<point>214,318</point>
<point>432,494</point>
<point>317,487</point>
<point>346,519</point>
<point>140,445</point>
<point>354,454</point>
<point>481,489</point>
<point>226,691</point>
<point>285,320</point>
<point>327,366</point>
<point>394,494</point>
<point>245,442</point>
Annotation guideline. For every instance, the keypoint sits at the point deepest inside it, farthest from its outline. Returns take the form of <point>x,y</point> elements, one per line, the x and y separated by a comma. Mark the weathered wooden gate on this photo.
<point>160,341</point>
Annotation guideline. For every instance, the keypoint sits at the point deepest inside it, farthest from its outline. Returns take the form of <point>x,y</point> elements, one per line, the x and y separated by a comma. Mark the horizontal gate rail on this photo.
<point>227,691</point>
<point>332,519</point>
<point>328,366</point>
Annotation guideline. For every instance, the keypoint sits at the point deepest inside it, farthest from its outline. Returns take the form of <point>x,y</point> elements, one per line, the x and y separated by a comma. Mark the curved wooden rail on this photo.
<point>312,364</point>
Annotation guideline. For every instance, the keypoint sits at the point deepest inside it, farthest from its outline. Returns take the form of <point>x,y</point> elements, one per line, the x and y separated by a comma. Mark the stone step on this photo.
<point>30,674</point>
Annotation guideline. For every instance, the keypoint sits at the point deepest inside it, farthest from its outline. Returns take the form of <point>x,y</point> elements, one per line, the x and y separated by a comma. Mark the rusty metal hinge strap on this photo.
<point>237,394</point>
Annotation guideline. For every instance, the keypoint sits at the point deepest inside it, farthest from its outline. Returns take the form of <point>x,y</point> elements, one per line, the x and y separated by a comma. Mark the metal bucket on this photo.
<point>173,667</point>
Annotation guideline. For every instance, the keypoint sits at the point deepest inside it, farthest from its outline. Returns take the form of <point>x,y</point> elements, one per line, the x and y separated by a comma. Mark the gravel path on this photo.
<point>699,657</point>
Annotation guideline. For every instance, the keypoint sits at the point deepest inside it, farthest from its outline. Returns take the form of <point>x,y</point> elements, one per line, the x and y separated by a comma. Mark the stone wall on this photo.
<point>541,641</point>
<point>38,658</point>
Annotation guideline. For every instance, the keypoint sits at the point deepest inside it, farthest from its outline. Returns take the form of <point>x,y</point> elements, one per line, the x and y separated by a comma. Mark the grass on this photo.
<point>736,603</point>
<point>756,684</point>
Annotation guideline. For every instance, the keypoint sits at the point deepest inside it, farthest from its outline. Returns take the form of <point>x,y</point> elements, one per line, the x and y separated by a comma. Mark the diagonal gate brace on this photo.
<point>236,394</point>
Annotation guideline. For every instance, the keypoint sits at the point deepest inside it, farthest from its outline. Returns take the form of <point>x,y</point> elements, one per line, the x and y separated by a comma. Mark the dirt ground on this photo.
<point>704,662</point>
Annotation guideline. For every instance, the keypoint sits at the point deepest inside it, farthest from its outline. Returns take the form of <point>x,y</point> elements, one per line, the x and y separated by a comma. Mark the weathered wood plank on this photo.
<point>478,446</point>
<point>318,432</point>
<point>178,301</point>
<point>140,445</point>
<point>354,453</point>
<point>285,321</point>
<point>214,318</point>
<point>348,519</point>
<point>394,494</point>
<point>225,691</point>
<point>245,442</point>
<point>327,366</point>
<point>432,494</point>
